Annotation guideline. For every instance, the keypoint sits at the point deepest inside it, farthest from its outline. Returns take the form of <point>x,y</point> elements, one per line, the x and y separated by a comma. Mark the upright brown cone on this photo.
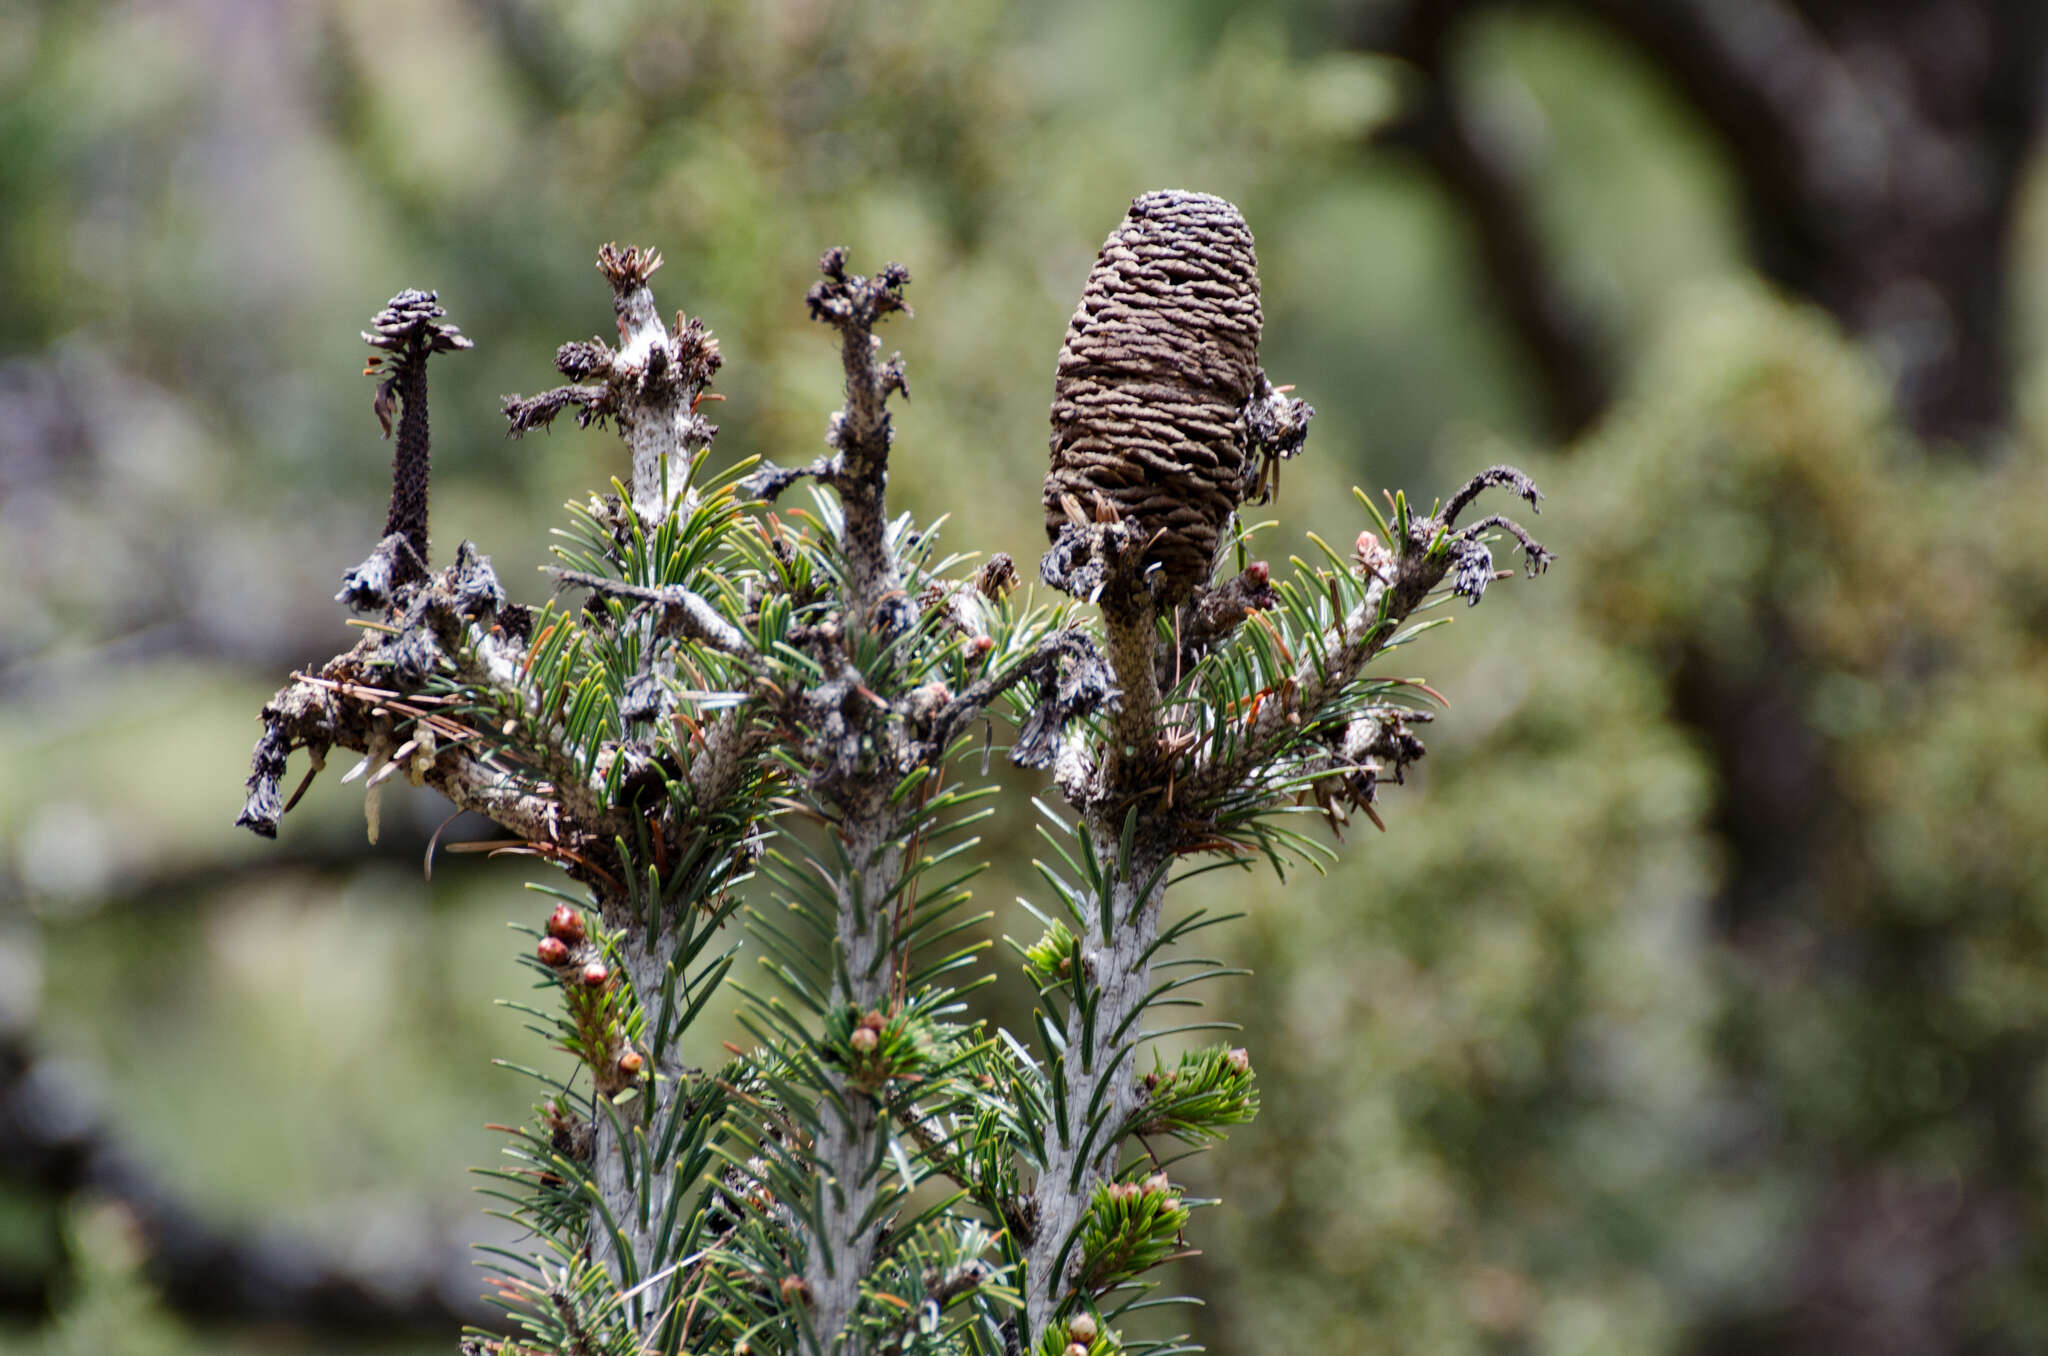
<point>1160,358</point>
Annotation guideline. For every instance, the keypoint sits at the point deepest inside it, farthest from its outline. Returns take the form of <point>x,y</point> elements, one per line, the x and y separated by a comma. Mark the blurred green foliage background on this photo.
<point>1695,999</point>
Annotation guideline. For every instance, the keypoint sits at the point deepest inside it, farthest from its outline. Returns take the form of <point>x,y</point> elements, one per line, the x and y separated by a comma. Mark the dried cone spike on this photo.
<point>405,333</point>
<point>1160,357</point>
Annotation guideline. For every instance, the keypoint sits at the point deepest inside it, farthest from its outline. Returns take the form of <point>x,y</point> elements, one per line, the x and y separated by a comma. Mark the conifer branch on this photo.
<point>650,386</point>
<point>1431,549</point>
<point>686,613</point>
<point>1101,1042</point>
<point>725,673</point>
<point>860,432</point>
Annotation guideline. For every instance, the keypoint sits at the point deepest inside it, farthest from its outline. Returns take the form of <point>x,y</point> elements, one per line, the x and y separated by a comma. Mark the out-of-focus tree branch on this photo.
<point>54,1144</point>
<point>1558,338</point>
<point>156,883</point>
<point>1879,152</point>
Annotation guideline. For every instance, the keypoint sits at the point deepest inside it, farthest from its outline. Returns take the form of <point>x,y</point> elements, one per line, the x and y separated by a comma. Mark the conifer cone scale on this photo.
<point>1160,358</point>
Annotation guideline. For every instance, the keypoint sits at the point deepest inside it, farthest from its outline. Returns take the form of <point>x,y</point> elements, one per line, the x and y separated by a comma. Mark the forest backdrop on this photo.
<point>1696,998</point>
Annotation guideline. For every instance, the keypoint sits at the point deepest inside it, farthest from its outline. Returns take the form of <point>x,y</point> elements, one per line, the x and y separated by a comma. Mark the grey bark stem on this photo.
<point>1101,1068</point>
<point>853,1132</point>
<point>1101,1048</point>
<point>862,434</point>
<point>645,969</point>
<point>850,1139</point>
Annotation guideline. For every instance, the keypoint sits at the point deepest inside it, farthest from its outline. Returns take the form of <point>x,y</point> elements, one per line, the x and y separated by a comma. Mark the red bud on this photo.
<point>1257,573</point>
<point>566,923</point>
<point>631,1063</point>
<point>596,975</point>
<point>552,951</point>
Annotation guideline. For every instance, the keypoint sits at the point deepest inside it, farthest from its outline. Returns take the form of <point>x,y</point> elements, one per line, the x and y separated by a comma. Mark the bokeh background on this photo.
<point>1695,999</point>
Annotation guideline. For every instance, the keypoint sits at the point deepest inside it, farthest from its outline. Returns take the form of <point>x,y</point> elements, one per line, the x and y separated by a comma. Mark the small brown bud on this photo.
<point>1081,1328</point>
<point>997,577</point>
<point>864,1041</point>
<point>566,923</point>
<point>1239,1060</point>
<point>596,975</point>
<point>1373,556</point>
<point>926,702</point>
<point>631,1063</point>
<point>794,1291</point>
<point>1075,1349</point>
<point>873,1021</point>
<point>981,645</point>
<point>552,951</point>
